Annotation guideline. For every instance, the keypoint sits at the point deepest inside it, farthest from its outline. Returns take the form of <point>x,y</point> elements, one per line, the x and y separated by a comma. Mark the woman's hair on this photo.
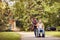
<point>32,17</point>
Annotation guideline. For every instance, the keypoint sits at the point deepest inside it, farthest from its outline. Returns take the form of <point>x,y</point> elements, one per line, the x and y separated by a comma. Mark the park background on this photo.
<point>18,14</point>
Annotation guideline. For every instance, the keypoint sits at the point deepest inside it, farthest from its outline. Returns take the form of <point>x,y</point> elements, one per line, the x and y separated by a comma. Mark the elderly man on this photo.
<point>40,27</point>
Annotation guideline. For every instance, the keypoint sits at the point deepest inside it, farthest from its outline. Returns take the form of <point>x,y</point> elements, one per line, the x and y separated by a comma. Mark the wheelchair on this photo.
<point>42,33</point>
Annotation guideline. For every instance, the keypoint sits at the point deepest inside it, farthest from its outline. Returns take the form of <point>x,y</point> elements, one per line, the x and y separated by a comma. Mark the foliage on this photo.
<point>48,10</point>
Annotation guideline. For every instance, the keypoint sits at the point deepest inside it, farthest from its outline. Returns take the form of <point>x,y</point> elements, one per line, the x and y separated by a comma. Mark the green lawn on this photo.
<point>53,33</point>
<point>9,36</point>
<point>16,36</point>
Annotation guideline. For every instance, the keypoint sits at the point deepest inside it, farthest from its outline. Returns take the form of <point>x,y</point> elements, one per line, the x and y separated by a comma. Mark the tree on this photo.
<point>48,10</point>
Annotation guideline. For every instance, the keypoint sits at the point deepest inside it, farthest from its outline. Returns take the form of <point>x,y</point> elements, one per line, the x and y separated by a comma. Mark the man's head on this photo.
<point>40,20</point>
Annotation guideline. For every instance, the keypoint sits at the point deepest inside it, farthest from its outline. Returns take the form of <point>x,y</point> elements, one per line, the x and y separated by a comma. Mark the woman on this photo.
<point>34,22</point>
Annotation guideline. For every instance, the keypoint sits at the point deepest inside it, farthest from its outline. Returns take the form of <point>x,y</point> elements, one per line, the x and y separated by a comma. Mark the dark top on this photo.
<point>34,22</point>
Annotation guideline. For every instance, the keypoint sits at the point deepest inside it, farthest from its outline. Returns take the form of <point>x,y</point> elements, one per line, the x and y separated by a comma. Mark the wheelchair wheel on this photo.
<point>43,35</point>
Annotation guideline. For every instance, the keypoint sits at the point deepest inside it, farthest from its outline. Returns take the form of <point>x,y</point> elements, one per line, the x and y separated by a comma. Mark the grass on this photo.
<point>9,36</point>
<point>16,36</point>
<point>53,33</point>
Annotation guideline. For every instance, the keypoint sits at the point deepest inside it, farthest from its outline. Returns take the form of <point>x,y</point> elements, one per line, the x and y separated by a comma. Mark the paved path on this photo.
<point>30,36</point>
